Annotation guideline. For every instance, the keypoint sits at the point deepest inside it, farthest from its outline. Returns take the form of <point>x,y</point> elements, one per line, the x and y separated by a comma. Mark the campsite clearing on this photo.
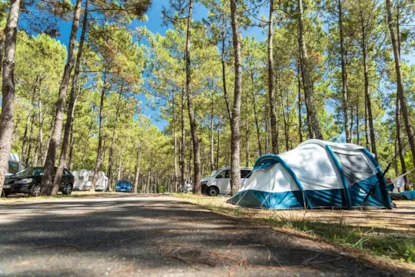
<point>132,235</point>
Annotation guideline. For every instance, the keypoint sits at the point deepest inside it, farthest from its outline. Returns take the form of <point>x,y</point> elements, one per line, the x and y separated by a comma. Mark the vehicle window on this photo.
<point>30,171</point>
<point>221,175</point>
<point>213,173</point>
<point>37,172</point>
<point>13,167</point>
<point>245,173</point>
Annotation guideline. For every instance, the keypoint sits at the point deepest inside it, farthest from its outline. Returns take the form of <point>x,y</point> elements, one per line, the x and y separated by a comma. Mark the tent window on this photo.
<point>355,167</point>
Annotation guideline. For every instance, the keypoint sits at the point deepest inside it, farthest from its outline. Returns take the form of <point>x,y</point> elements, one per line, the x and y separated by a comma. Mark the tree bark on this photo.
<point>258,133</point>
<point>345,103</point>
<point>271,92</point>
<point>247,131</point>
<point>8,90</point>
<point>183,140</point>
<point>114,131</point>
<point>98,161</point>
<point>225,90</point>
<point>312,116</point>
<point>48,171</point>
<point>212,158</point>
<point>399,80</point>
<point>71,107</point>
<point>192,118</point>
<point>236,109</point>
<point>137,171</point>
<point>367,93</point>
<point>300,104</point>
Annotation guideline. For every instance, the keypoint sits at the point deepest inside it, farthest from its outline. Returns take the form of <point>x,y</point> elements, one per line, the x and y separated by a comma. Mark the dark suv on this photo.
<point>28,181</point>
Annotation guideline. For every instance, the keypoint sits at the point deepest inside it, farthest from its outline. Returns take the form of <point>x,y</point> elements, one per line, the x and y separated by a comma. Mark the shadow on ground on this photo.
<point>155,236</point>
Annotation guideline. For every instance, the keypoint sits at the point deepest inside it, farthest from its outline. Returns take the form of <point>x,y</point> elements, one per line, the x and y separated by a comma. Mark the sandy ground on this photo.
<point>136,235</point>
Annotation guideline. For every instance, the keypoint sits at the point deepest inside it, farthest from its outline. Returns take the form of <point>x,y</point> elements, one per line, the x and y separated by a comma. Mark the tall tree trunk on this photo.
<point>367,94</point>
<point>217,146</point>
<point>8,90</point>
<point>399,79</point>
<point>29,148</point>
<point>398,134</point>
<point>98,161</point>
<point>236,109</point>
<point>40,136</point>
<point>70,158</point>
<point>345,103</point>
<point>183,140</point>
<point>357,122</point>
<point>176,173</point>
<point>86,143</point>
<point>225,90</point>
<point>271,92</point>
<point>247,131</point>
<point>48,171</point>
<point>71,107</point>
<point>258,134</point>
<point>212,158</point>
<point>300,103</point>
<point>312,116</point>
<point>192,118</point>
<point>114,131</point>
<point>137,171</point>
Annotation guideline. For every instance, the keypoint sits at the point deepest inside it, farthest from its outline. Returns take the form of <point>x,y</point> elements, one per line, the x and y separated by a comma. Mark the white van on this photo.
<point>219,181</point>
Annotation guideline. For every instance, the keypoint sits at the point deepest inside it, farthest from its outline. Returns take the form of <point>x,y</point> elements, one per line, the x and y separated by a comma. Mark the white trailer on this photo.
<point>83,180</point>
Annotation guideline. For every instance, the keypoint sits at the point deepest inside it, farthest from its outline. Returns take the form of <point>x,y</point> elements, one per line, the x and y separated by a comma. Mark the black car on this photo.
<point>28,181</point>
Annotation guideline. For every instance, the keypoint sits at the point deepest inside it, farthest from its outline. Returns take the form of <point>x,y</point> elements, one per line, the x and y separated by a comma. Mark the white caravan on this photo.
<point>83,180</point>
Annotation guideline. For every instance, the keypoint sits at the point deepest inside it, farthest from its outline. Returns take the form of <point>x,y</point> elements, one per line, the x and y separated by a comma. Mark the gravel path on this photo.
<point>154,236</point>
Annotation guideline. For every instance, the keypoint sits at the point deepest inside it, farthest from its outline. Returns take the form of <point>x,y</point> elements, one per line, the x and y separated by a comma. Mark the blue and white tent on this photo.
<point>316,174</point>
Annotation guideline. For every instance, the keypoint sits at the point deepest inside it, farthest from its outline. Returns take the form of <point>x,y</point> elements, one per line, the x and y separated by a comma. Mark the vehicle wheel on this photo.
<point>213,191</point>
<point>35,191</point>
<point>67,190</point>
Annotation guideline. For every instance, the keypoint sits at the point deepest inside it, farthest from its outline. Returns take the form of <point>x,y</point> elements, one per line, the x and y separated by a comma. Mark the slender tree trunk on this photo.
<point>40,136</point>
<point>114,131</point>
<point>1,53</point>
<point>212,158</point>
<point>258,134</point>
<point>357,122</point>
<point>367,97</point>
<point>247,131</point>
<point>70,150</point>
<point>48,171</point>
<point>398,134</point>
<point>72,102</point>
<point>300,103</point>
<point>217,147</point>
<point>399,79</point>
<point>176,173</point>
<point>29,148</point>
<point>192,118</point>
<point>137,171</point>
<point>312,116</point>
<point>8,89</point>
<point>225,90</point>
<point>98,161</point>
<point>271,92</point>
<point>183,141</point>
<point>345,103</point>
<point>236,109</point>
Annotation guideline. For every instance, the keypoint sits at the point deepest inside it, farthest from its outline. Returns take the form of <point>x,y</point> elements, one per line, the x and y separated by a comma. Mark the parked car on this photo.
<point>28,181</point>
<point>219,181</point>
<point>124,186</point>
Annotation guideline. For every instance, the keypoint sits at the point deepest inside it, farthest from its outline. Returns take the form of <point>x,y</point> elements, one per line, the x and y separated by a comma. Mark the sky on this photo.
<point>155,25</point>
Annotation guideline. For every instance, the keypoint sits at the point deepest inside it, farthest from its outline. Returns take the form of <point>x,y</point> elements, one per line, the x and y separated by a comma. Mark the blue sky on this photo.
<point>155,25</point>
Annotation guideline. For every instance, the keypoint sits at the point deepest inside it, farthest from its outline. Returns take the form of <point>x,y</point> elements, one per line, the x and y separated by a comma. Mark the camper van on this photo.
<point>219,181</point>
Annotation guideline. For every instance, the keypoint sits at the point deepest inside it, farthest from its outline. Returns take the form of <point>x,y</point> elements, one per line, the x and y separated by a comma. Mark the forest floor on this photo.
<point>159,235</point>
<point>387,234</point>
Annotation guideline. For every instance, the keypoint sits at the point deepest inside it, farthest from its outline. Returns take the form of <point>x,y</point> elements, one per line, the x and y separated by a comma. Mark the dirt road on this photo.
<point>155,236</point>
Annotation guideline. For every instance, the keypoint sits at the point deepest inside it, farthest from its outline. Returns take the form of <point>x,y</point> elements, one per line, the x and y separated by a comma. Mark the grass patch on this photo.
<point>377,241</point>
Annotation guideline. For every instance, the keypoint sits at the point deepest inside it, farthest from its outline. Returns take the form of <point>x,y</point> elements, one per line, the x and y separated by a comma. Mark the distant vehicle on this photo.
<point>186,187</point>
<point>124,186</point>
<point>28,181</point>
<point>219,181</point>
<point>15,165</point>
